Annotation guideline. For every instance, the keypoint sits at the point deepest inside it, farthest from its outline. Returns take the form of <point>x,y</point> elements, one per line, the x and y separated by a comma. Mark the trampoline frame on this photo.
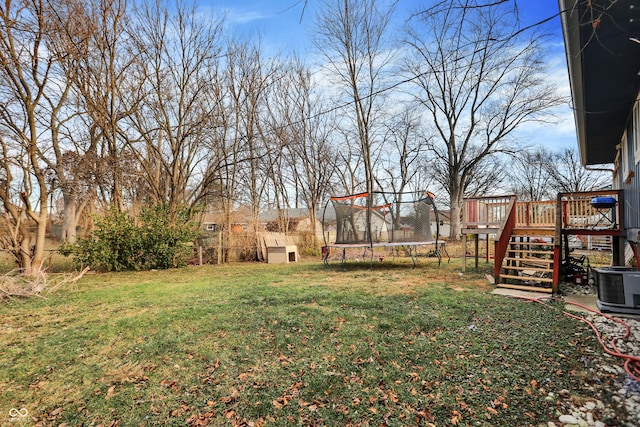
<point>439,246</point>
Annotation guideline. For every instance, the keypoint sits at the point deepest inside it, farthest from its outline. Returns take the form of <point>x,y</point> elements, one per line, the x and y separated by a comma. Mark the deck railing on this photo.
<point>503,237</point>
<point>495,216</point>
<point>536,214</point>
<point>577,211</point>
<point>486,212</point>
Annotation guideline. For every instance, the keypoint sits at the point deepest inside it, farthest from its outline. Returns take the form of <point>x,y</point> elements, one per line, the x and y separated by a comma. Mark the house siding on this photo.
<point>632,201</point>
<point>630,181</point>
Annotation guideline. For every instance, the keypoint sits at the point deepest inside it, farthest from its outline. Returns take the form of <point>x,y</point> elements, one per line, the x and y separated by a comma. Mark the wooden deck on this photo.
<point>502,217</point>
<point>576,213</point>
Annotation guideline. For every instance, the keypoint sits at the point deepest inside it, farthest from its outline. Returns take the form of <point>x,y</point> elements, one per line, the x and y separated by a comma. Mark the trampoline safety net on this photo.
<point>380,218</point>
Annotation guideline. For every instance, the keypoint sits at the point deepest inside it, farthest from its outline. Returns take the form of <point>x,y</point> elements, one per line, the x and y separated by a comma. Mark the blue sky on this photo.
<point>288,22</point>
<point>286,26</point>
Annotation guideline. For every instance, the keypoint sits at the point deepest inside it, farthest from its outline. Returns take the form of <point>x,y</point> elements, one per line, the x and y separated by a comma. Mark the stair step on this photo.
<point>531,245</point>
<point>528,268</point>
<point>527,278</point>
<point>528,251</point>
<point>530,254</point>
<point>524,287</point>
<point>544,261</point>
<point>535,232</point>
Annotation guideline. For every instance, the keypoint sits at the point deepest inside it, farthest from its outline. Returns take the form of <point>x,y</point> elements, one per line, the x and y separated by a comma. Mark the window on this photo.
<point>624,158</point>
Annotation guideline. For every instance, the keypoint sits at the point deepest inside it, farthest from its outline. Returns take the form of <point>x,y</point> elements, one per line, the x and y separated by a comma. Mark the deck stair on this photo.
<point>531,237</point>
<point>529,261</point>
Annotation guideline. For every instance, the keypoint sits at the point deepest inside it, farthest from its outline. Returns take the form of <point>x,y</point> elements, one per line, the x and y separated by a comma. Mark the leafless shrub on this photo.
<point>17,284</point>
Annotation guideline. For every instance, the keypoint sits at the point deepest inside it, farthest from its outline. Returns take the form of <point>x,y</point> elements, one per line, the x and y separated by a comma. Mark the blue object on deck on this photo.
<point>603,202</point>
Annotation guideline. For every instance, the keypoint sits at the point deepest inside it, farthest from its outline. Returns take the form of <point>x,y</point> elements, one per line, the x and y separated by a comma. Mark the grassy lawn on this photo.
<point>297,344</point>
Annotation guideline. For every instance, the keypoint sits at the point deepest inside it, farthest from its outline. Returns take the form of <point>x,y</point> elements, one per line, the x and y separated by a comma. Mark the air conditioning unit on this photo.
<point>618,290</point>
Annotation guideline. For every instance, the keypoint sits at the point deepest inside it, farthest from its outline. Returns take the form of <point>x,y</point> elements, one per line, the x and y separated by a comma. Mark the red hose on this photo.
<point>631,363</point>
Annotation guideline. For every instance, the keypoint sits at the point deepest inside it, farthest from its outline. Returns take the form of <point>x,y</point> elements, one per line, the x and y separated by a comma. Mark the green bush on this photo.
<point>118,243</point>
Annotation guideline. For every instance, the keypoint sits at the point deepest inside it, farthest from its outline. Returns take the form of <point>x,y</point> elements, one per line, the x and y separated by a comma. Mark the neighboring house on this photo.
<point>602,45</point>
<point>212,222</point>
<point>209,222</point>
<point>350,225</point>
<point>297,219</point>
<point>444,218</point>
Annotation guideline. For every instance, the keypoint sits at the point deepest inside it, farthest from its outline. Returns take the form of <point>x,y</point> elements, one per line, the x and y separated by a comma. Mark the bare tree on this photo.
<point>401,153</point>
<point>529,176</point>
<point>277,134</point>
<point>218,189</point>
<point>352,36</point>
<point>30,94</point>
<point>70,156</point>
<point>304,135</point>
<point>251,76</point>
<point>478,78</point>
<point>108,91</point>
<point>179,51</point>
<point>567,174</point>
<point>235,174</point>
<point>349,178</point>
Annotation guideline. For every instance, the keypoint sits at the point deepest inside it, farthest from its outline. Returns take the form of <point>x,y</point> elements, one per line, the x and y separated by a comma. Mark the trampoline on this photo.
<point>381,219</point>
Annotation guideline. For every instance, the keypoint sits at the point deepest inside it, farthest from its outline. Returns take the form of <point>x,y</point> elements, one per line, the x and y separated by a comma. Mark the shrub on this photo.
<point>118,244</point>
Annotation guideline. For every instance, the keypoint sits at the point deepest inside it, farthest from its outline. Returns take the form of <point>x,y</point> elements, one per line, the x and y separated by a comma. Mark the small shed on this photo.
<point>279,248</point>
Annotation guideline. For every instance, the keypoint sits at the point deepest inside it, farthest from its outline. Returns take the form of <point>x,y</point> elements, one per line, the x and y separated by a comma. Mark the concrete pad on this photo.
<point>588,301</point>
<point>519,293</point>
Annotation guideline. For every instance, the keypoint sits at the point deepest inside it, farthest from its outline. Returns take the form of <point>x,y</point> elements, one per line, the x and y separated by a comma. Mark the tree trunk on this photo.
<point>38,256</point>
<point>69,218</point>
<point>456,201</point>
<point>22,252</point>
<point>312,225</point>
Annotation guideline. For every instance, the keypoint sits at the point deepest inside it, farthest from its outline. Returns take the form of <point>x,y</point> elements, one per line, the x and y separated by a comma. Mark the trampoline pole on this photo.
<point>411,254</point>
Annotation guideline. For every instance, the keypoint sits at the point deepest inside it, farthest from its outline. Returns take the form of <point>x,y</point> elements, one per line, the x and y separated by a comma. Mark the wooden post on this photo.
<point>487,248</point>
<point>557,244</point>
<point>200,255</point>
<point>464,252</point>
<point>476,244</point>
<point>557,260</point>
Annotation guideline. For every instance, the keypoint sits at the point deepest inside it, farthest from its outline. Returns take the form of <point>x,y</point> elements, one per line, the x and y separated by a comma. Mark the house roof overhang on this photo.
<point>602,43</point>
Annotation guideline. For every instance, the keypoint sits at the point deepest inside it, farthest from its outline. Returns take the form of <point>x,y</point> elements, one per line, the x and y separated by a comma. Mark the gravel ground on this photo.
<point>622,408</point>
